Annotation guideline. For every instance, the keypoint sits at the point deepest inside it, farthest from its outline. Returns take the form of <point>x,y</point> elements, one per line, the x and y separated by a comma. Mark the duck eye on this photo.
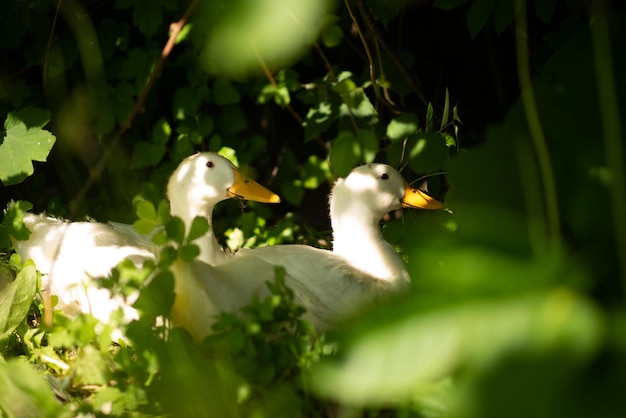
<point>210,164</point>
<point>384,176</point>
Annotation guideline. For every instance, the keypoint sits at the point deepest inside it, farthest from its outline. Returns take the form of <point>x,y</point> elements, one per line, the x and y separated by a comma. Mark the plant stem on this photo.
<point>609,114</point>
<point>534,126</point>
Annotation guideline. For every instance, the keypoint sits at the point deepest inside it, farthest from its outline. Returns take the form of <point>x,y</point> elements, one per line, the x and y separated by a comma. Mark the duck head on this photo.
<point>205,179</point>
<point>377,189</point>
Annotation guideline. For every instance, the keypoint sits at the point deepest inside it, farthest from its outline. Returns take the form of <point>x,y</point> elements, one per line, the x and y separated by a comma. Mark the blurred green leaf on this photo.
<point>199,227</point>
<point>438,339</point>
<point>224,93</point>
<point>478,14</point>
<point>16,298</point>
<point>271,32</point>
<point>25,393</point>
<point>449,4</point>
<point>175,229</point>
<point>545,9</point>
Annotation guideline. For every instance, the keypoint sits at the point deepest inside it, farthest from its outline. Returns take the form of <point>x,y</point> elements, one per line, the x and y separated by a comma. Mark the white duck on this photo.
<point>331,285</point>
<point>71,254</point>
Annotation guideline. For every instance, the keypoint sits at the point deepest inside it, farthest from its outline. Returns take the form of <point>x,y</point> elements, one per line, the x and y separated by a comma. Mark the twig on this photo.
<point>534,126</point>
<point>379,38</point>
<point>96,172</point>
<point>272,80</point>
<point>49,46</point>
<point>609,115</point>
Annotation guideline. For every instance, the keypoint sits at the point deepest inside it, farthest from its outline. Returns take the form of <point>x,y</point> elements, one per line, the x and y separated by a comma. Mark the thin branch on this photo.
<point>610,117</point>
<point>534,126</point>
<point>378,37</point>
<point>96,172</point>
<point>272,80</point>
<point>49,45</point>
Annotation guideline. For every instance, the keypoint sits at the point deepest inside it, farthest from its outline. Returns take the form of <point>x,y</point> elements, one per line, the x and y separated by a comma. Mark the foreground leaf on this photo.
<point>16,298</point>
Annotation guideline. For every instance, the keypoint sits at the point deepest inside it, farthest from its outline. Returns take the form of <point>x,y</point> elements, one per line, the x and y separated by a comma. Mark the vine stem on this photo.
<point>534,126</point>
<point>609,114</point>
<point>96,172</point>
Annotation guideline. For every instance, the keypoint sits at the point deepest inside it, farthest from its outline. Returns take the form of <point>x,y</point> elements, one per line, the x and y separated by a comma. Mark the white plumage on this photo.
<point>71,254</point>
<point>331,285</point>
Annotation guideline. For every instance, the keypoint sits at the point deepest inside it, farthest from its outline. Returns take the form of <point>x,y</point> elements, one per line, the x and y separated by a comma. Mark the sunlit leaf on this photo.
<point>268,33</point>
<point>16,298</point>
<point>402,126</point>
<point>24,141</point>
<point>344,153</point>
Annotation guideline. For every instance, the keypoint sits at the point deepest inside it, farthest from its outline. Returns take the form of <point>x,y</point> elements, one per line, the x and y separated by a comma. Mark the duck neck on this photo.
<point>357,238</point>
<point>210,250</point>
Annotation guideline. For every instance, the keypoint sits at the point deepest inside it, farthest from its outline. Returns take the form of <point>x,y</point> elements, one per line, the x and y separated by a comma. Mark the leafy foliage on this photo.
<point>503,318</point>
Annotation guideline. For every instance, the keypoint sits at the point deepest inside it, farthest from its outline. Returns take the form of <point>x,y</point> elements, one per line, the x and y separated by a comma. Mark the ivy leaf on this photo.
<point>24,141</point>
<point>478,14</point>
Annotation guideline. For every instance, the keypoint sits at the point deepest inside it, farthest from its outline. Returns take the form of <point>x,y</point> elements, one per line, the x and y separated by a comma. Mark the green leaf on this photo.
<point>25,393</point>
<point>145,210</point>
<point>332,36</point>
<point>274,32</point>
<point>14,220</point>
<point>175,229</point>
<point>503,14</point>
<point>189,252</point>
<point>478,14</point>
<point>428,152</point>
<point>16,298</point>
<point>157,297</point>
<point>449,4</point>
<point>429,117</point>
<point>344,153</point>
<point>368,141</point>
<point>471,334</point>
<point>344,86</point>
<point>545,9</point>
<point>148,15</point>
<point>402,126</point>
<point>24,141</point>
<point>320,117</point>
<point>147,154</point>
<point>224,93</point>
<point>199,227</point>
<point>144,226</point>
<point>231,120</point>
